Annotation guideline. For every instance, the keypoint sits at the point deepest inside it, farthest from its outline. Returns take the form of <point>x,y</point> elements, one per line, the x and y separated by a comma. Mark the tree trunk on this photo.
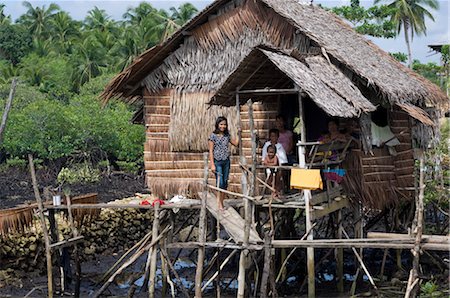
<point>408,44</point>
<point>7,108</point>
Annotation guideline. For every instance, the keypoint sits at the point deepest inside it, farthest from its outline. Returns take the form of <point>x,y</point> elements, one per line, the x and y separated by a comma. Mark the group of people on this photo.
<point>278,150</point>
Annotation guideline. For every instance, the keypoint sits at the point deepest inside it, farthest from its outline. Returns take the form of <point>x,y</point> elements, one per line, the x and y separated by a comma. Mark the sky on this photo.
<point>437,32</point>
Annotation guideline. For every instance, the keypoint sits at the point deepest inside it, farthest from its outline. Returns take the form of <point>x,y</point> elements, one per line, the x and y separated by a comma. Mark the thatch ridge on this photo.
<point>393,80</point>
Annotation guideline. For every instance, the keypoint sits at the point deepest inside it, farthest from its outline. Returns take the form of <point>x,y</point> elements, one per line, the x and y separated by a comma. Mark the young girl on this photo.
<point>219,155</point>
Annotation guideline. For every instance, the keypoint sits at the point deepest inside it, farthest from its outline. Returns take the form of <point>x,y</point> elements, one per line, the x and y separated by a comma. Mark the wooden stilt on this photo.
<point>266,268</point>
<point>414,280</point>
<point>153,253</point>
<point>202,232</point>
<point>307,198</point>
<point>247,208</point>
<point>75,248</point>
<point>340,255</point>
<point>48,253</point>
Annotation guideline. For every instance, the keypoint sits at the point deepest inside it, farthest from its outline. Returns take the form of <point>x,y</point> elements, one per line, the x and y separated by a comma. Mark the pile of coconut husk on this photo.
<point>113,230</point>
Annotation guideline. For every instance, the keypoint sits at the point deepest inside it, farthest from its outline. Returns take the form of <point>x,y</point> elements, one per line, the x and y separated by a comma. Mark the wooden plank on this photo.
<point>357,243</point>
<point>230,220</point>
<point>323,197</point>
<point>68,242</point>
<point>331,207</point>
<point>397,236</point>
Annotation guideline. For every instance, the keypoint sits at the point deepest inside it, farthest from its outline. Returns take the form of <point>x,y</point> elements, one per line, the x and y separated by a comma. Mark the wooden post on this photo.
<point>413,281</point>
<point>307,197</point>
<point>75,249</point>
<point>238,117</point>
<point>340,255</point>
<point>247,208</point>
<point>202,231</point>
<point>266,268</point>
<point>7,108</point>
<point>48,253</point>
<point>153,252</point>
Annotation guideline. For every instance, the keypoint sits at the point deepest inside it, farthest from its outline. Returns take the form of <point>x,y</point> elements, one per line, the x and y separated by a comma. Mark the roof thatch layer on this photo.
<point>320,80</point>
<point>416,113</point>
<point>318,27</point>
<point>395,82</point>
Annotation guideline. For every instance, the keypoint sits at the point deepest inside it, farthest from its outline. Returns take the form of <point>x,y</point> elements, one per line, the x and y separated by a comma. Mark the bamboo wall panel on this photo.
<point>170,172</point>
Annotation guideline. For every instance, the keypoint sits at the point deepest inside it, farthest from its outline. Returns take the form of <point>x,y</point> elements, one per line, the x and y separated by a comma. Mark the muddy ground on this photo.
<point>16,186</point>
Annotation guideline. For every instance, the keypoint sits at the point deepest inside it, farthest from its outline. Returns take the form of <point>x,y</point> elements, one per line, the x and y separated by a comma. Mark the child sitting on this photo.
<point>271,159</point>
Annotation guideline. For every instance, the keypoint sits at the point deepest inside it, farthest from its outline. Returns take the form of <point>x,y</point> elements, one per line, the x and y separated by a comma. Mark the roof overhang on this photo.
<point>313,77</point>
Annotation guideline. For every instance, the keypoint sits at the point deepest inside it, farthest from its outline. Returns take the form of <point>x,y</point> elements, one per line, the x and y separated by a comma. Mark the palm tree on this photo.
<point>4,19</point>
<point>410,15</point>
<point>37,19</point>
<point>184,13</point>
<point>135,16</point>
<point>64,30</point>
<point>100,20</point>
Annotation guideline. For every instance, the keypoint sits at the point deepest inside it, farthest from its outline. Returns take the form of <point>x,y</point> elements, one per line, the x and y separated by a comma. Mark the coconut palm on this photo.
<point>98,19</point>
<point>37,19</point>
<point>135,16</point>
<point>410,15</point>
<point>64,30</point>
<point>184,13</point>
<point>4,19</point>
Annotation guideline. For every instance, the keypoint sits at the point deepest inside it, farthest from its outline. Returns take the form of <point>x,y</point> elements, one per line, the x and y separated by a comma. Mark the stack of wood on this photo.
<point>112,230</point>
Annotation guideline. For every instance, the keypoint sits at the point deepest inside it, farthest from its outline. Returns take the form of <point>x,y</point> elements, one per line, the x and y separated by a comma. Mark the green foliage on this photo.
<point>16,162</point>
<point>431,71</point>
<point>79,173</point>
<point>400,57</point>
<point>372,21</point>
<point>63,65</point>
<point>430,289</point>
<point>129,166</point>
<point>15,42</point>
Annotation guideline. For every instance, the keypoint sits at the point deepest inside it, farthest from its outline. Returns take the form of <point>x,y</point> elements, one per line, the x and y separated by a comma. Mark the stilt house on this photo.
<point>275,44</point>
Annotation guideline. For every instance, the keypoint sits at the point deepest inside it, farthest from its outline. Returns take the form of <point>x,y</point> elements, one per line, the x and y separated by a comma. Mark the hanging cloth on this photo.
<point>306,179</point>
<point>335,175</point>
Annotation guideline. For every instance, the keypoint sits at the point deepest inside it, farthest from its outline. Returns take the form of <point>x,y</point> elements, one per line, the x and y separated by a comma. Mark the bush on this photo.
<point>80,173</point>
<point>129,166</point>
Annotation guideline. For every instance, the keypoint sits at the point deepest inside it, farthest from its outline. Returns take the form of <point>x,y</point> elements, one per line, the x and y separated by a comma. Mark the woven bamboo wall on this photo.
<point>168,172</point>
<point>382,179</point>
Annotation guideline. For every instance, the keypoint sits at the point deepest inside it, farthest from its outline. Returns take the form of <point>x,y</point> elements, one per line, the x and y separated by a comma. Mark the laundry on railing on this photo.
<point>335,175</point>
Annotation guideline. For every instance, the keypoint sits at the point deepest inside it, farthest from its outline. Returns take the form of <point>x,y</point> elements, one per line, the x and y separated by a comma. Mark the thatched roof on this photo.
<point>338,40</point>
<point>332,91</point>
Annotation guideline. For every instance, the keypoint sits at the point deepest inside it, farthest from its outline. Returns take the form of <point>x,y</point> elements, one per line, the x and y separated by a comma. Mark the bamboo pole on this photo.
<point>266,268</point>
<point>340,255</point>
<point>414,280</point>
<point>7,108</point>
<point>130,261</point>
<point>153,253</point>
<point>48,253</point>
<point>202,232</point>
<point>165,256</point>
<point>220,268</point>
<point>361,262</point>
<point>247,208</point>
<point>75,250</point>
<point>307,197</point>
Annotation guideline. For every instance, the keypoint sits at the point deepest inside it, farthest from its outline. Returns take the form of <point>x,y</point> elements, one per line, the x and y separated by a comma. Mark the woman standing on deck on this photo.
<point>219,155</point>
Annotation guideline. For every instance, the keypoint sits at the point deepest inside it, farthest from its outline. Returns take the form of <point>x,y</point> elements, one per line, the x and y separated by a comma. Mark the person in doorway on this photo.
<point>273,140</point>
<point>286,138</point>
<point>333,133</point>
<point>219,155</point>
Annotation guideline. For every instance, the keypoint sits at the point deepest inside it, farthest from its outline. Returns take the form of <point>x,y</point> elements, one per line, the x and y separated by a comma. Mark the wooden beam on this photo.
<point>269,91</point>
<point>331,207</point>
